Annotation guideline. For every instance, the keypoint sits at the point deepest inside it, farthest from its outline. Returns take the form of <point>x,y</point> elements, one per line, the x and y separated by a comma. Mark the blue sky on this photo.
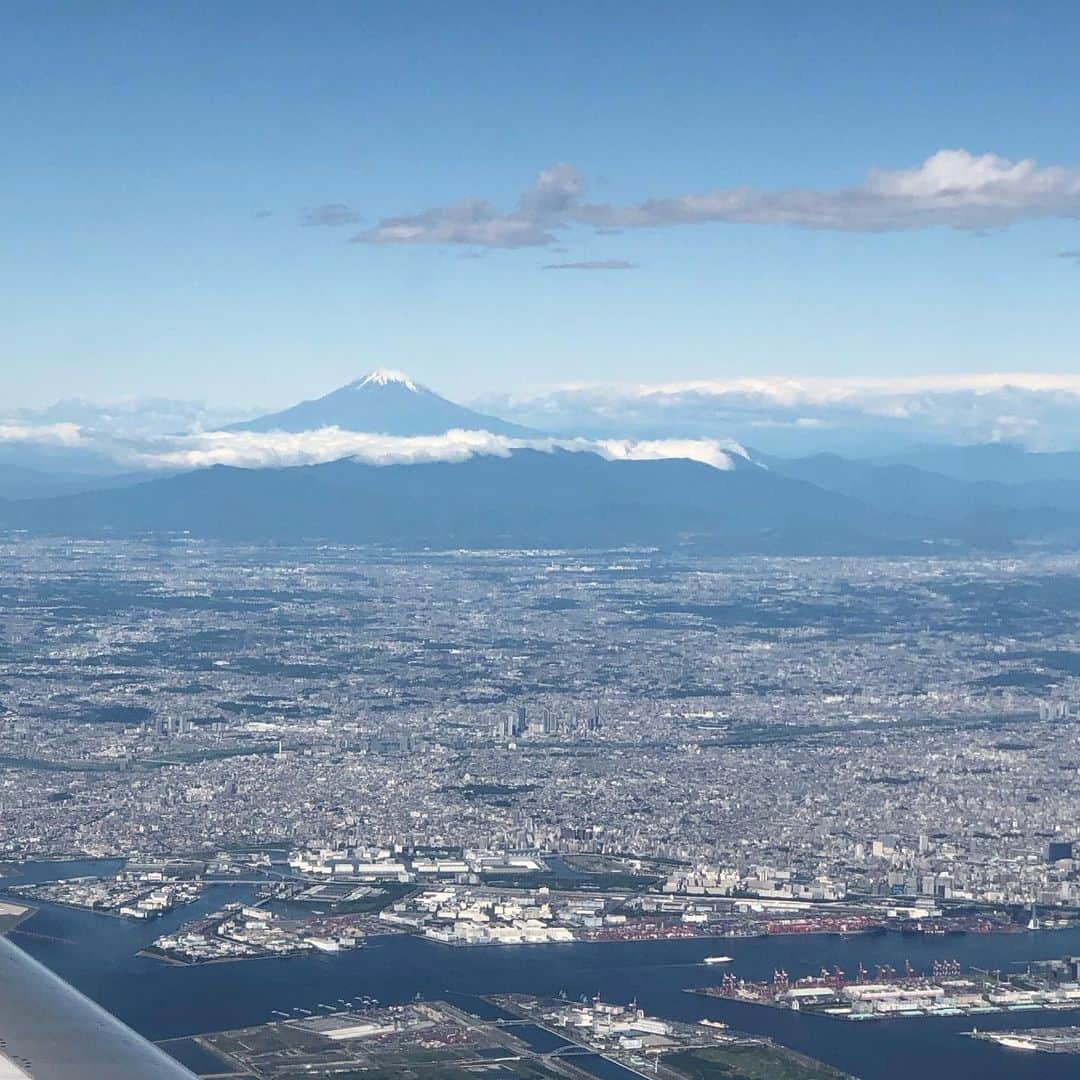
<point>160,162</point>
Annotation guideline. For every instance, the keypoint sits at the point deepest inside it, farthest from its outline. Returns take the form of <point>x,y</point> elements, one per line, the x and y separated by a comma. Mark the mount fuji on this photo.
<point>384,403</point>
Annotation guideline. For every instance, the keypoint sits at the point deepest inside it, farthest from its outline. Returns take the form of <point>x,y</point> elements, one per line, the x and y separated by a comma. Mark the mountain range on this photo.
<point>527,498</point>
<point>558,498</point>
<point>951,484</point>
<point>523,490</point>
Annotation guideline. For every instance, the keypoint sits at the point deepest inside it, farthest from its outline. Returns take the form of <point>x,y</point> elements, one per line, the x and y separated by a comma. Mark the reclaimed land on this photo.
<point>761,1061</point>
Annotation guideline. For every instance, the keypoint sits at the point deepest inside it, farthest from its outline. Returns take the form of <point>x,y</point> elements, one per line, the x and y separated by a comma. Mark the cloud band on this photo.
<point>952,188</point>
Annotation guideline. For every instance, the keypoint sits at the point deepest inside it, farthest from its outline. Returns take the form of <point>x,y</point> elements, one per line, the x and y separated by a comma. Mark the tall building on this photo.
<point>592,723</point>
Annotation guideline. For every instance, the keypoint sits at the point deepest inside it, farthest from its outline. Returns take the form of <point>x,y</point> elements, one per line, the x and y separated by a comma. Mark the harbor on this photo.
<point>946,990</point>
<point>101,957</point>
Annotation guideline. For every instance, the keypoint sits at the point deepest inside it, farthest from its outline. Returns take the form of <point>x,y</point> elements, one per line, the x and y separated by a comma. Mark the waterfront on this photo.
<point>98,955</point>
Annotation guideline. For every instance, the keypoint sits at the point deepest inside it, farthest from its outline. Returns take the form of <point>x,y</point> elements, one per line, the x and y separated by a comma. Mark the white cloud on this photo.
<point>861,388</point>
<point>278,449</point>
<point>66,435</point>
<point>275,449</point>
<point>261,450</point>
<point>718,453</point>
<point>128,416</point>
<point>1041,409</point>
<point>950,188</point>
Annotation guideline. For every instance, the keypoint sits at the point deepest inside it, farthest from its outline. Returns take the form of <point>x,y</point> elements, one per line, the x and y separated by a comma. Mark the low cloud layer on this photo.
<point>694,419</point>
<point>52,435</point>
<point>174,453</point>
<point>953,188</point>
<point>129,416</point>
<point>803,415</point>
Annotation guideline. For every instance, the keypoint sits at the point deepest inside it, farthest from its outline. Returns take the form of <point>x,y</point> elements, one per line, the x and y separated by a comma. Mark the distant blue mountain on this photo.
<point>386,403</point>
<point>529,498</point>
<point>1000,463</point>
<point>22,482</point>
<point>981,493</point>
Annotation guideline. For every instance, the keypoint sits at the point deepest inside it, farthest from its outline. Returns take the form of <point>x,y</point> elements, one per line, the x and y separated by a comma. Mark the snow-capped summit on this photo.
<point>384,377</point>
<point>384,402</point>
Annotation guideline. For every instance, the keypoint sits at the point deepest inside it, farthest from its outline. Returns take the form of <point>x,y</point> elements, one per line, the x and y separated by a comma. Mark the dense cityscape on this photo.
<point>811,729</point>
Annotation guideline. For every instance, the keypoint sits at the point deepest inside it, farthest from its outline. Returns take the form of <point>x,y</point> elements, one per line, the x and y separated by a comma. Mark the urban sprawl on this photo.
<point>549,745</point>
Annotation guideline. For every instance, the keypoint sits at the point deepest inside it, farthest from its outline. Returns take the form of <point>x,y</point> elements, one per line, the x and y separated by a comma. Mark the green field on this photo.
<point>525,1069</point>
<point>761,1061</point>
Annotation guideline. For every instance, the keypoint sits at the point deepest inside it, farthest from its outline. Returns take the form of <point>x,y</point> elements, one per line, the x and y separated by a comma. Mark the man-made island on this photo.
<point>520,1036</point>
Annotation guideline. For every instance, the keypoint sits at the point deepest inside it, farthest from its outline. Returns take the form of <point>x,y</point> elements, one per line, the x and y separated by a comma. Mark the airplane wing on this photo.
<point>49,1031</point>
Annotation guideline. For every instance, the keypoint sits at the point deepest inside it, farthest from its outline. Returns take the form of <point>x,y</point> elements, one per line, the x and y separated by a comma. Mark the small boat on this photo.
<point>718,959</point>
